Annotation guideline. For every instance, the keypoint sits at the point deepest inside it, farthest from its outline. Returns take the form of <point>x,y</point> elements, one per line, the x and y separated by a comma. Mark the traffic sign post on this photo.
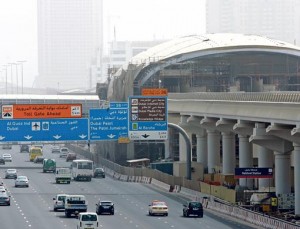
<point>36,130</point>
<point>148,118</point>
<point>110,123</point>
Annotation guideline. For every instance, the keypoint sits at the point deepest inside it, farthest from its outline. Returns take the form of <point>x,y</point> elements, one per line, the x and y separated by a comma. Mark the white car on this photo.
<point>11,173</point>
<point>64,152</point>
<point>158,208</point>
<point>59,202</point>
<point>55,149</point>
<point>7,157</point>
<point>87,220</point>
<point>2,189</point>
<point>22,181</point>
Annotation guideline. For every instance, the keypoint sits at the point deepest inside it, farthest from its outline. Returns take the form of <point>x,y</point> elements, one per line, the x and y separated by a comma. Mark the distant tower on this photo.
<point>277,19</point>
<point>70,43</point>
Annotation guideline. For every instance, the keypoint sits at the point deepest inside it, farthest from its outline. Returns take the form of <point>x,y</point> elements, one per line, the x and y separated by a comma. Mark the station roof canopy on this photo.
<point>221,41</point>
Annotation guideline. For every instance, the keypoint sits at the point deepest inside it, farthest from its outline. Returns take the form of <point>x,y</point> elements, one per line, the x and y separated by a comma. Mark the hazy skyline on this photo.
<point>156,20</point>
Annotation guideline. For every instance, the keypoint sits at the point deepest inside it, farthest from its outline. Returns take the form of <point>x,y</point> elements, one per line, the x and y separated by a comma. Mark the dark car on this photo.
<point>99,172</point>
<point>38,159</point>
<point>193,208</point>
<point>2,161</point>
<point>4,198</point>
<point>105,207</point>
<point>71,157</point>
<point>24,149</point>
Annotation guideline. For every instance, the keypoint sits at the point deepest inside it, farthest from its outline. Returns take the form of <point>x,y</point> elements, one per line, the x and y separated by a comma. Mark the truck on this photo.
<point>75,204</point>
<point>82,169</point>
<point>49,165</point>
<point>63,175</point>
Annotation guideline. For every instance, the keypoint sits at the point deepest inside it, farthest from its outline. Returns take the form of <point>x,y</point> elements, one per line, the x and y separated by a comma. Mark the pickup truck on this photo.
<point>75,204</point>
<point>63,175</point>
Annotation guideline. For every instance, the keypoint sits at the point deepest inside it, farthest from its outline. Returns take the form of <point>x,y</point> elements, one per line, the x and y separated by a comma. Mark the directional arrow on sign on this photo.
<point>111,136</point>
<point>28,137</point>
<point>57,136</point>
<point>82,136</point>
<point>1,138</point>
<point>145,136</point>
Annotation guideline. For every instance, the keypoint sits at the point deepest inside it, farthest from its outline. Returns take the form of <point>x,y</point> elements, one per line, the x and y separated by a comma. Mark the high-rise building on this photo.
<point>69,43</point>
<point>277,19</point>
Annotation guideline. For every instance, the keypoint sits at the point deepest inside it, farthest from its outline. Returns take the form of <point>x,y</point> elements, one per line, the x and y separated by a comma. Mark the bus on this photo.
<point>34,152</point>
<point>82,169</point>
<point>139,163</point>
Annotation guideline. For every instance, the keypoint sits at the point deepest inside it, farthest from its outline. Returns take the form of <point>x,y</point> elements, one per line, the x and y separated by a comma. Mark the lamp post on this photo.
<point>21,63</point>
<point>5,78</point>
<point>16,64</point>
<point>11,75</point>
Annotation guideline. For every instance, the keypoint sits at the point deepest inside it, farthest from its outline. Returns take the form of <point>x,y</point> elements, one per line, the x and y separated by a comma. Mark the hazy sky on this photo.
<point>132,20</point>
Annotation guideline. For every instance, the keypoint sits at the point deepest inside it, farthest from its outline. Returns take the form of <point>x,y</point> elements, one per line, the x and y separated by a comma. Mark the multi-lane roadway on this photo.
<point>33,207</point>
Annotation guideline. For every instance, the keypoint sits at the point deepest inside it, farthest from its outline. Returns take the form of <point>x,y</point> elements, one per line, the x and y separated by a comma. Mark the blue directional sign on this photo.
<point>110,123</point>
<point>253,173</point>
<point>44,130</point>
<point>148,118</point>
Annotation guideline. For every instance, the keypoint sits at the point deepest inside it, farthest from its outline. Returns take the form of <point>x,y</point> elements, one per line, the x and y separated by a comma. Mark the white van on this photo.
<point>88,220</point>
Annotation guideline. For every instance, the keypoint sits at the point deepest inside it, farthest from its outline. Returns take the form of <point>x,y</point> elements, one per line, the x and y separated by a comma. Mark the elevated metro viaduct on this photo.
<point>269,121</point>
<point>233,66</point>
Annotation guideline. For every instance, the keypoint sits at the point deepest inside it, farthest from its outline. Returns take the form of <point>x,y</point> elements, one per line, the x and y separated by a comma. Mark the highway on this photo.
<point>33,207</point>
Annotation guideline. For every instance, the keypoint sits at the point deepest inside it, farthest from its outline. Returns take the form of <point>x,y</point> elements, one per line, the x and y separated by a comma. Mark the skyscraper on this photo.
<point>69,43</point>
<point>277,19</point>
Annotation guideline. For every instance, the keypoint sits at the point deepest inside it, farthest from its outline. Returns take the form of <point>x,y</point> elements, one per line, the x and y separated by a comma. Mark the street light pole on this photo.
<point>11,76</point>
<point>17,78</point>
<point>5,78</point>
<point>21,63</point>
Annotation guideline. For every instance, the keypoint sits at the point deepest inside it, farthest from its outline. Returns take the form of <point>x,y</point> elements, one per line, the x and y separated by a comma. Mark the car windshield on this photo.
<point>195,204</point>
<point>64,150</point>
<point>89,217</point>
<point>106,203</point>
<point>158,203</point>
<point>11,170</point>
<point>61,198</point>
<point>22,178</point>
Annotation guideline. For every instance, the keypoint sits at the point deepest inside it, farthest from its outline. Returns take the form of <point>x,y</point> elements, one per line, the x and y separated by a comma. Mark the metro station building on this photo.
<point>233,63</point>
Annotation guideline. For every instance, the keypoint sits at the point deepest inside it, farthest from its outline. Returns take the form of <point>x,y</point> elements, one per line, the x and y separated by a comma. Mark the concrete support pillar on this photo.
<point>167,148</point>
<point>245,159</point>
<point>202,150</point>
<point>283,173</point>
<point>228,147</point>
<point>265,160</point>
<point>182,147</point>
<point>130,151</point>
<point>213,148</point>
<point>297,178</point>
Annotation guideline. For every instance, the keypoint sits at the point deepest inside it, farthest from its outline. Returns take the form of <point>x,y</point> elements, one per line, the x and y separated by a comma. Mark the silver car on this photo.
<point>11,173</point>
<point>22,181</point>
<point>7,157</point>
<point>64,152</point>
<point>59,202</point>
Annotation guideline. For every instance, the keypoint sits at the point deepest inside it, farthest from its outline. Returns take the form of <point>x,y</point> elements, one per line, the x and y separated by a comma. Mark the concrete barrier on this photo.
<point>161,185</point>
<point>177,188</point>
